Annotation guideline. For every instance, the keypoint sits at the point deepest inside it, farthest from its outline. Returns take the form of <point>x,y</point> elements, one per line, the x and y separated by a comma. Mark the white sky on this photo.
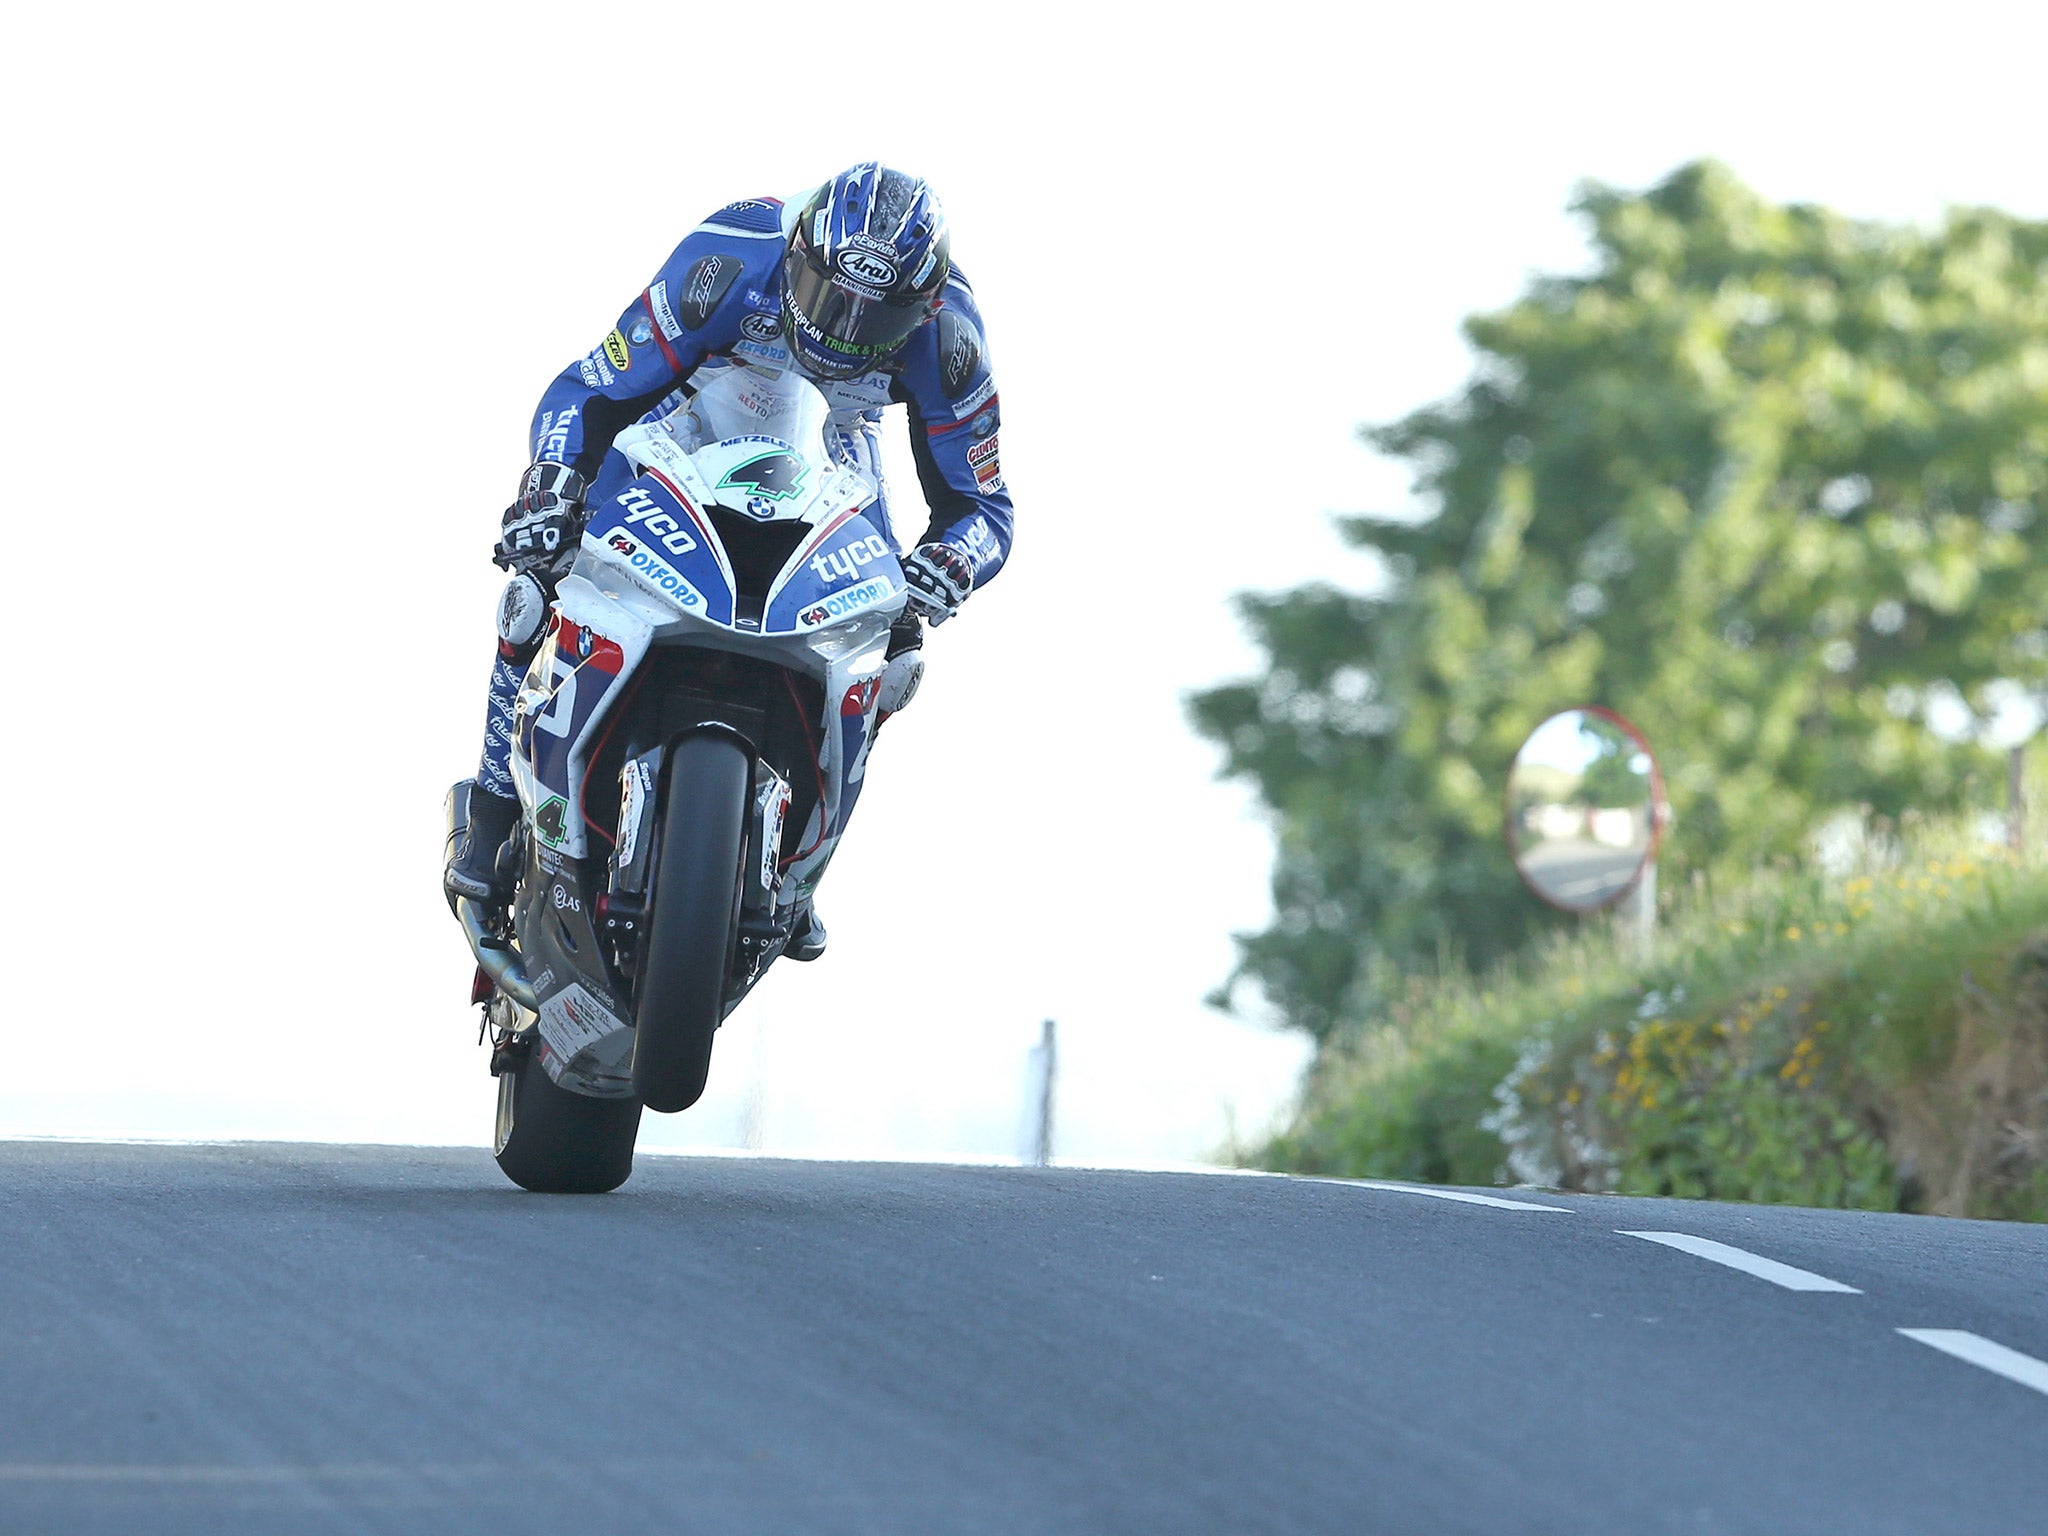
<point>285,283</point>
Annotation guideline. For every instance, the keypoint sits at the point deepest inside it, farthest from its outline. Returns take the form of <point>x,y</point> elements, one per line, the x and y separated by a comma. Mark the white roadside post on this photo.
<point>1040,1072</point>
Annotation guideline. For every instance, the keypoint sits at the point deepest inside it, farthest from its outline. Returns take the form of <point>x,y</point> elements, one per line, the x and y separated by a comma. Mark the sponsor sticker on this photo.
<point>777,476</point>
<point>863,290</point>
<point>642,331</point>
<point>987,466</point>
<point>979,397</point>
<point>616,352</point>
<point>844,563</point>
<point>978,542</point>
<point>761,327</point>
<point>843,604</point>
<point>702,277</point>
<point>652,571</point>
<point>551,821</point>
<point>657,302</point>
<point>554,438</point>
<point>572,1021</point>
<point>640,507</point>
<point>771,835</point>
<point>636,784</point>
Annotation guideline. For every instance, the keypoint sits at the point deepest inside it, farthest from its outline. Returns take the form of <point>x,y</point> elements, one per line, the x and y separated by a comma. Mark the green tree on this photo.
<point>1767,481</point>
<point>1612,778</point>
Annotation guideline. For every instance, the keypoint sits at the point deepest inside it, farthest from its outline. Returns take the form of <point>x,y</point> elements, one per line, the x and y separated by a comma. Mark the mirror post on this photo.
<point>2016,800</point>
<point>1642,909</point>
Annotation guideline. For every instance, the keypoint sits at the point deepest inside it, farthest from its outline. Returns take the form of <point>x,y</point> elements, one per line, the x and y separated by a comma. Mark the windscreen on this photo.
<point>762,402</point>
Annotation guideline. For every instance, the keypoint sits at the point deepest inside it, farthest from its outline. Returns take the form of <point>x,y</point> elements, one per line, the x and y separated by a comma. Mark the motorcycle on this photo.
<point>688,744</point>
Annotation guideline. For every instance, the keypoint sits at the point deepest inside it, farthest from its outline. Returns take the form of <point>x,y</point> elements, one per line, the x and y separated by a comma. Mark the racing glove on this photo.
<point>940,578</point>
<point>540,529</point>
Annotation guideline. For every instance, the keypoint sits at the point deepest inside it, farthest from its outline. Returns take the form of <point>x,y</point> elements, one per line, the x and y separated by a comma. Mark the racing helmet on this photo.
<point>864,267</point>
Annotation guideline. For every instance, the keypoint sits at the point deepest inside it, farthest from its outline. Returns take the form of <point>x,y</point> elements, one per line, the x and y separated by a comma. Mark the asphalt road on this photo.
<point>1579,870</point>
<point>259,1338</point>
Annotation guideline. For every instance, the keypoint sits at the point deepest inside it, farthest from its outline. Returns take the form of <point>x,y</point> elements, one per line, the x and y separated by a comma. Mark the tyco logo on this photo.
<point>844,563</point>
<point>643,508</point>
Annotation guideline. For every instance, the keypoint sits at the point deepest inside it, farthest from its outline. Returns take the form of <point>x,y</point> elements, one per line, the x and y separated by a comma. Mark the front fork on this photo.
<point>764,918</point>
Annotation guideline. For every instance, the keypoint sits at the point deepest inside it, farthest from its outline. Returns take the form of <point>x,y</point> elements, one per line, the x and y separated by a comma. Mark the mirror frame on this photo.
<point>1659,810</point>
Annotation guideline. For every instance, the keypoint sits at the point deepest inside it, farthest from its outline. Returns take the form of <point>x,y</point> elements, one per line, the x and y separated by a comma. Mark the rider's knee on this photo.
<point>522,614</point>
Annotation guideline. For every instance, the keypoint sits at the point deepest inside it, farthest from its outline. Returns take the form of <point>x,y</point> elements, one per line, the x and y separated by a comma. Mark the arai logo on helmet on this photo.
<point>868,268</point>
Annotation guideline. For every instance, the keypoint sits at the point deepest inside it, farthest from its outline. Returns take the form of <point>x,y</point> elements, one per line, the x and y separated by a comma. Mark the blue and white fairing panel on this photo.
<point>753,441</point>
<point>656,532</point>
<point>845,568</point>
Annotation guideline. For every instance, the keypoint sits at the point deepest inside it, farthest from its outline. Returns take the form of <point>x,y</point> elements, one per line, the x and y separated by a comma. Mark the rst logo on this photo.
<point>844,563</point>
<point>643,508</point>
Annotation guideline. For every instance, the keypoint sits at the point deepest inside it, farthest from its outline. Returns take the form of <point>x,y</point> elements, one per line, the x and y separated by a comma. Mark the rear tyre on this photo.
<point>555,1142</point>
<point>694,924</point>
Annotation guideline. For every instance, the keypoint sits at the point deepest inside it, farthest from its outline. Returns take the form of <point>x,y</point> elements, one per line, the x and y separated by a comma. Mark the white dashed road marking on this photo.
<point>1749,1263</point>
<point>1978,1350</point>
<point>1459,1195</point>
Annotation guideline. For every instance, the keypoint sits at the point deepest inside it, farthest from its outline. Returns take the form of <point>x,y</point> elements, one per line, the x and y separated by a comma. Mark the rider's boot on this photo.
<point>473,872</point>
<point>806,935</point>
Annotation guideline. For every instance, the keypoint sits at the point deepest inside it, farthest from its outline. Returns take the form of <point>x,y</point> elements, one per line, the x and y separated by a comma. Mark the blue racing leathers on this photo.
<point>717,304</point>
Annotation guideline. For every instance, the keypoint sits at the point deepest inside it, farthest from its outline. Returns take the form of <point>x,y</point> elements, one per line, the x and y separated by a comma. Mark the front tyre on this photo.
<point>555,1142</point>
<point>694,924</point>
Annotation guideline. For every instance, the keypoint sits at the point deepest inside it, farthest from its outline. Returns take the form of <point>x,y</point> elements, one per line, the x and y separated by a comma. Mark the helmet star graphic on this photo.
<point>778,476</point>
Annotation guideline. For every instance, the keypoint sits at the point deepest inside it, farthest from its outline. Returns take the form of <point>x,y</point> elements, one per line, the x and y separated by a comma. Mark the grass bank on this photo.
<point>1876,1039</point>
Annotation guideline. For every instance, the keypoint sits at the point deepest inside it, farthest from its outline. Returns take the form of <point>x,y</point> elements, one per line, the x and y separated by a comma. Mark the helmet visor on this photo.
<point>842,321</point>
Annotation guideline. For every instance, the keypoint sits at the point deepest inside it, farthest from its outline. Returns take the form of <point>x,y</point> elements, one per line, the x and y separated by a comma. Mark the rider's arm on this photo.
<point>692,309</point>
<point>955,421</point>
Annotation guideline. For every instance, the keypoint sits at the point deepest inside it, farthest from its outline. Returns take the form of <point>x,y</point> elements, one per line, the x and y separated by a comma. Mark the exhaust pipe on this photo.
<point>499,960</point>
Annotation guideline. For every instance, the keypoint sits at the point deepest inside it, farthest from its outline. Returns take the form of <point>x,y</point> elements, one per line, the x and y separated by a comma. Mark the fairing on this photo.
<point>653,573</point>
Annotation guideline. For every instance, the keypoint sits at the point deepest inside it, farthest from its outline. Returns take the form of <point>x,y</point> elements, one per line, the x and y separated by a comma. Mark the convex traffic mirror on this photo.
<point>1583,808</point>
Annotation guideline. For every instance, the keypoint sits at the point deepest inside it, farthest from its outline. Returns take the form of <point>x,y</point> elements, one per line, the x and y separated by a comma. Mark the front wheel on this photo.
<point>555,1142</point>
<point>694,924</point>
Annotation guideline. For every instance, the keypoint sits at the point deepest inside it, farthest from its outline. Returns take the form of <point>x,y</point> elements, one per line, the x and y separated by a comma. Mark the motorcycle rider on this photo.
<point>855,289</point>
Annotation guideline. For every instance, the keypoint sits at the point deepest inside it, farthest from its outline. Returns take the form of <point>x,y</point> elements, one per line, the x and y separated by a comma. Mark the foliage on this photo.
<point>1876,1040</point>
<point>1766,480</point>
